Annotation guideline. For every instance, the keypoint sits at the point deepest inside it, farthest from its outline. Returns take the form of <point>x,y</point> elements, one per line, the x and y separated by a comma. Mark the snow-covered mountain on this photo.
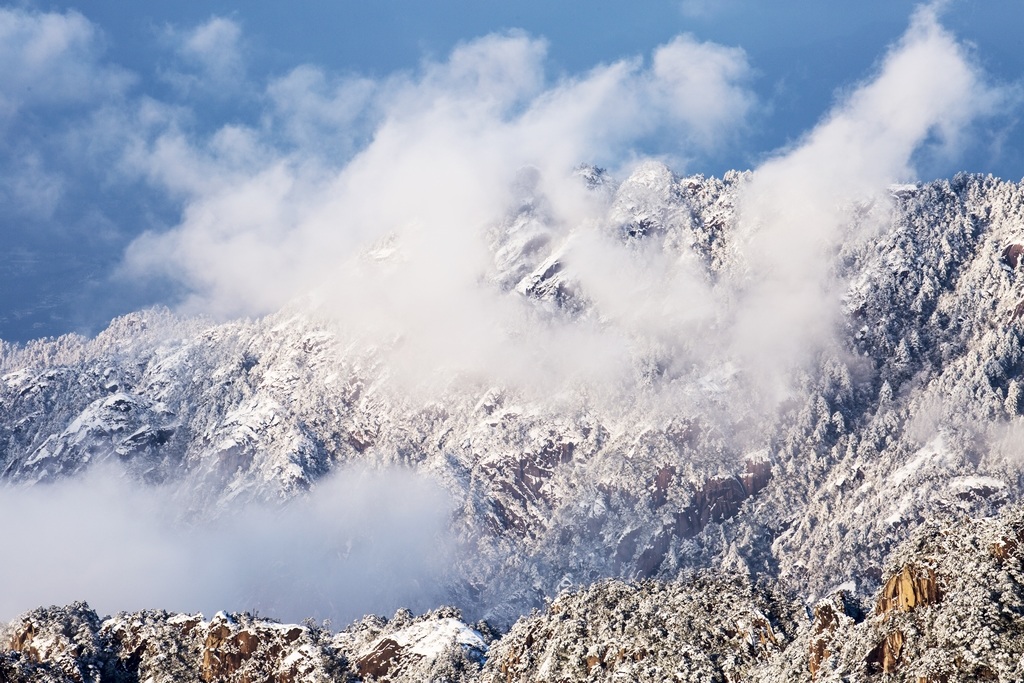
<point>679,450</point>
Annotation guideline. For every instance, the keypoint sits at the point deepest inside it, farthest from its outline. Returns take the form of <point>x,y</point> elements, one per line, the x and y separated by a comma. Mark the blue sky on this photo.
<point>124,119</point>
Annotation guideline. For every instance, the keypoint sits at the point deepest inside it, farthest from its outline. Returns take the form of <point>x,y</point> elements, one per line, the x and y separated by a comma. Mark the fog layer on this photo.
<point>360,543</point>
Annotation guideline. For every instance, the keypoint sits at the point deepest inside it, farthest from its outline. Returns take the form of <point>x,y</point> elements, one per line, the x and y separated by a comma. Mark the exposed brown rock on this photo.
<point>247,643</point>
<point>218,662</point>
<point>909,588</point>
<point>1003,549</point>
<point>825,623</point>
<point>609,658</point>
<point>717,499</point>
<point>720,498</point>
<point>23,636</point>
<point>381,660</point>
<point>756,476</point>
<point>510,665</point>
<point>523,481</point>
<point>1011,254</point>
<point>71,644</point>
<point>659,487</point>
<point>886,655</point>
<point>226,651</point>
<point>762,633</point>
<point>1007,547</point>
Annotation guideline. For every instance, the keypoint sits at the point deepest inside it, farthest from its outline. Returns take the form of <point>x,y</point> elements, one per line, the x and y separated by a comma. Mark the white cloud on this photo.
<point>312,110</point>
<point>52,76</point>
<point>53,59</point>
<point>795,214</point>
<point>698,82</point>
<point>445,148</point>
<point>359,543</point>
<point>211,58</point>
<point>262,227</point>
<point>30,189</point>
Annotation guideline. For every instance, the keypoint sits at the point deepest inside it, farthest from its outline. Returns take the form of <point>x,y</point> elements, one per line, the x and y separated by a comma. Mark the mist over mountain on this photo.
<point>908,412</point>
<point>620,418</point>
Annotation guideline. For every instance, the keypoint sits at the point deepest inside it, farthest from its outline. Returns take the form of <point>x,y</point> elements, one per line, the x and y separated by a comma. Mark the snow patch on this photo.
<point>932,453</point>
<point>430,639</point>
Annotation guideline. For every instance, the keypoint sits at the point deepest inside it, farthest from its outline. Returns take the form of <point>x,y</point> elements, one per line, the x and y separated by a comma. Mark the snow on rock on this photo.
<point>908,413</point>
<point>73,643</point>
<point>429,639</point>
<point>706,628</point>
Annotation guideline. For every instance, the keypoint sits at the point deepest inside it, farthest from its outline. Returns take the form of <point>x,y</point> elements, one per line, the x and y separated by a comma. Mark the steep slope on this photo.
<point>950,609</point>
<point>685,462</point>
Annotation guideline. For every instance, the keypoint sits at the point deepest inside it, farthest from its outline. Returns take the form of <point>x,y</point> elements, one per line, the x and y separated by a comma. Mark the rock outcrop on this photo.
<point>951,610</point>
<point>73,644</point>
<point>908,588</point>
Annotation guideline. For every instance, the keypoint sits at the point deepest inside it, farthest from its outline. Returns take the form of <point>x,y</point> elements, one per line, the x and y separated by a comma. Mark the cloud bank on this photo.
<point>360,543</point>
<point>397,238</point>
<point>445,147</point>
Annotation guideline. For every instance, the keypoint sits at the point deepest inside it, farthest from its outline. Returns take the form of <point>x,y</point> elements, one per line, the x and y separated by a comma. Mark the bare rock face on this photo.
<point>437,646</point>
<point>831,617</point>
<point>381,660</point>
<point>248,650</point>
<point>56,644</point>
<point>908,588</point>
<point>73,644</point>
<point>886,655</point>
<point>1011,254</point>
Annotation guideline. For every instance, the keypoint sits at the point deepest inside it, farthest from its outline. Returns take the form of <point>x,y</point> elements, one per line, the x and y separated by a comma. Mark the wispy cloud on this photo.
<point>210,58</point>
<point>310,109</point>
<point>53,59</point>
<point>701,9</point>
<point>795,214</point>
<point>445,148</point>
<point>28,188</point>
